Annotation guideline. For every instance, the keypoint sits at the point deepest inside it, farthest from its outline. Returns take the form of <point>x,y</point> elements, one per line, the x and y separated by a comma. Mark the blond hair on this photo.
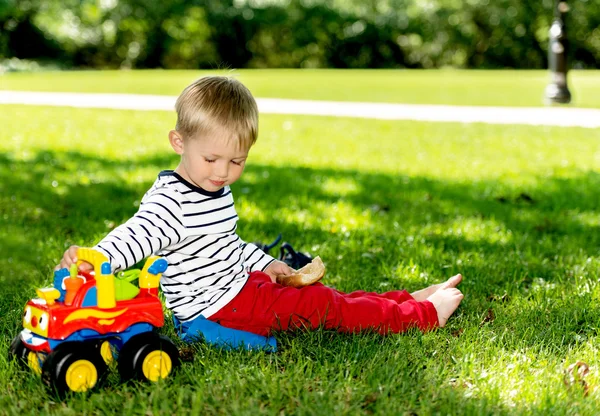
<point>218,104</point>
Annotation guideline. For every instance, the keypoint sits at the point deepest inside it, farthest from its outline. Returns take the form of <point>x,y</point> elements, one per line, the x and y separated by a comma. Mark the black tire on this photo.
<point>26,358</point>
<point>148,357</point>
<point>18,351</point>
<point>74,367</point>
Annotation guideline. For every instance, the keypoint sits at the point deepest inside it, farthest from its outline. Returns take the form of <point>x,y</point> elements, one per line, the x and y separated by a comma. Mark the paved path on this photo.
<point>546,116</point>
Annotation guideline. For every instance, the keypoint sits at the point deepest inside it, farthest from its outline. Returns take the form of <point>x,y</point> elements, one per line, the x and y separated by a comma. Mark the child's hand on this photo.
<point>70,257</point>
<point>278,268</point>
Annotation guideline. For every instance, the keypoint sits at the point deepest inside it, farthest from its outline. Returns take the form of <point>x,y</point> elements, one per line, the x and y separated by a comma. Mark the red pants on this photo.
<point>263,306</point>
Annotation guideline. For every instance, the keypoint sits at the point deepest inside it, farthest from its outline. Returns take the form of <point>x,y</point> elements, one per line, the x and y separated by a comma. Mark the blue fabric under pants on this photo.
<point>215,334</point>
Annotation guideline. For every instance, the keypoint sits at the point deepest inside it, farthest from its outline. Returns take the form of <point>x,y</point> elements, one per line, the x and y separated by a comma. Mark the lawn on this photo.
<point>452,87</point>
<point>386,204</point>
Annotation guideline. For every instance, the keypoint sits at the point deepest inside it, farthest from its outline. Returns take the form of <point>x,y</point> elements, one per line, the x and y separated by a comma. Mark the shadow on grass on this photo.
<point>417,226</point>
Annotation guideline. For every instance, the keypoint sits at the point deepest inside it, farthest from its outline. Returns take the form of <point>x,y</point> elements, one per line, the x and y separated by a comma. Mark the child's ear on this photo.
<point>176,141</point>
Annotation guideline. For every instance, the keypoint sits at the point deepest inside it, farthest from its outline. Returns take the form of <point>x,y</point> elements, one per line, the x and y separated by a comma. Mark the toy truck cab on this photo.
<point>72,330</point>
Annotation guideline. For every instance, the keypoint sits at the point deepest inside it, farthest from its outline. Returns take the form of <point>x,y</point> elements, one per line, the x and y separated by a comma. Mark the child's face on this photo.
<point>210,162</point>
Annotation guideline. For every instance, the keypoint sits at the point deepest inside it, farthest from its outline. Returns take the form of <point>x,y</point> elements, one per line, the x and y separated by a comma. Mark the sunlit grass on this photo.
<point>387,205</point>
<point>452,87</point>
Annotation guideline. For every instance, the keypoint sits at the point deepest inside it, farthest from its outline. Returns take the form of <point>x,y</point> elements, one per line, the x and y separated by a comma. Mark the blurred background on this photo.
<point>192,34</point>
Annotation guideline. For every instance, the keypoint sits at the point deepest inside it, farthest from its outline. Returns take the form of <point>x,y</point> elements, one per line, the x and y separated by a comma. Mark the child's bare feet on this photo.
<point>445,300</point>
<point>423,294</point>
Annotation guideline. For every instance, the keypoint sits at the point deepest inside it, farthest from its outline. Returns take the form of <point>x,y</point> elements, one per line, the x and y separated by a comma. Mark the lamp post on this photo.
<point>557,90</point>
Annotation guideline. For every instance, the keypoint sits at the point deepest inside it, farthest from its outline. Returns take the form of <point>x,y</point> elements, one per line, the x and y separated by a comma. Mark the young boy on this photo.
<point>188,217</point>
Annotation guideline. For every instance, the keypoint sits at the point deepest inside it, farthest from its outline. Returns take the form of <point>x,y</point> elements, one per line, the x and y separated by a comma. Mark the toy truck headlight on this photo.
<point>27,315</point>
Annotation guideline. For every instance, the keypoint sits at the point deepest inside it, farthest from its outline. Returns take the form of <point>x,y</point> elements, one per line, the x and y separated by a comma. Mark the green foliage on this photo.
<point>294,33</point>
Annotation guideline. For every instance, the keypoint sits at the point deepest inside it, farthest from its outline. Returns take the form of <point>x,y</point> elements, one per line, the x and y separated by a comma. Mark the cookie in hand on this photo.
<point>307,275</point>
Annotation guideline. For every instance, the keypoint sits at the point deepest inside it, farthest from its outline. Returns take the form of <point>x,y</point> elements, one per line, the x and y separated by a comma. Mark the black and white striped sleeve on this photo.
<point>156,225</point>
<point>255,258</point>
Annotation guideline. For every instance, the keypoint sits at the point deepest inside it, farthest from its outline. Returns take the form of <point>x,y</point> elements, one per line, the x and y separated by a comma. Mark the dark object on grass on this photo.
<point>186,354</point>
<point>267,247</point>
<point>489,317</point>
<point>502,199</point>
<point>293,258</point>
<point>287,254</point>
<point>525,198</point>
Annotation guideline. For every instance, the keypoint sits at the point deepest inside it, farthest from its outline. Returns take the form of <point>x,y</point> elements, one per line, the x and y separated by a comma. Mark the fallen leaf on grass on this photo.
<point>457,333</point>
<point>466,384</point>
<point>186,354</point>
<point>369,401</point>
<point>497,298</point>
<point>575,374</point>
<point>489,317</point>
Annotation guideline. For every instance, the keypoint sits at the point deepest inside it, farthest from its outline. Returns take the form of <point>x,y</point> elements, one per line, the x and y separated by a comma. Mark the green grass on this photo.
<point>453,87</point>
<point>386,204</point>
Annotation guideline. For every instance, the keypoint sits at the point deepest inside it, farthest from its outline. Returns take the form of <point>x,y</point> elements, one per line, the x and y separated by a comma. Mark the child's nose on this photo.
<point>222,169</point>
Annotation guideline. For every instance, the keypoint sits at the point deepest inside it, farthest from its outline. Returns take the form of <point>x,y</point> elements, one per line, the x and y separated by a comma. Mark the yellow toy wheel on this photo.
<point>148,357</point>
<point>81,376</point>
<point>157,365</point>
<point>106,352</point>
<point>34,362</point>
<point>74,367</point>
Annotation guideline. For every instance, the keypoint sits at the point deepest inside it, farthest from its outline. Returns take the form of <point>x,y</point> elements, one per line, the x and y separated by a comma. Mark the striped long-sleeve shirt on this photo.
<point>195,230</point>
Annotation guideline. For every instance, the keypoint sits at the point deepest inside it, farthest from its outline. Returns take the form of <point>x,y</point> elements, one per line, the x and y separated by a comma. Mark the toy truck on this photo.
<point>73,330</point>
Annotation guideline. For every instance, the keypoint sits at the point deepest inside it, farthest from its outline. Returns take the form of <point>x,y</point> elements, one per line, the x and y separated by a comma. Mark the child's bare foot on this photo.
<point>423,294</point>
<point>445,300</point>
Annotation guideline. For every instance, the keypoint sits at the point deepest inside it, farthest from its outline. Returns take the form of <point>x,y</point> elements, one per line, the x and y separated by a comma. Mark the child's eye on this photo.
<point>209,160</point>
<point>236,163</point>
